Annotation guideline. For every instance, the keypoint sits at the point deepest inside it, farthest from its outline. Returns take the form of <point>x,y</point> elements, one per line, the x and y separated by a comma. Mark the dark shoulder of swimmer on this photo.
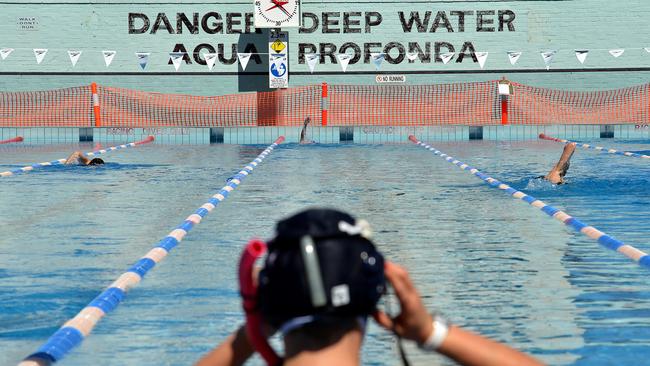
<point>96,161</point>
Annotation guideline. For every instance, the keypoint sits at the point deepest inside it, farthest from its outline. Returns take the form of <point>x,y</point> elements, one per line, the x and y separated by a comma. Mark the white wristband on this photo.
<point>438,334</point>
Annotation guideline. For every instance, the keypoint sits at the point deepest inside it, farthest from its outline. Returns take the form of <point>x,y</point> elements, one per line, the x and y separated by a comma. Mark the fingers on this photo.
<point>399,278</point>
<point>383,319</point>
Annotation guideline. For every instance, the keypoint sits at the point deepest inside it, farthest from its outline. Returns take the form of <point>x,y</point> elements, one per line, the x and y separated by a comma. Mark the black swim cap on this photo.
<point>96,161</point>
<point>350,267</point>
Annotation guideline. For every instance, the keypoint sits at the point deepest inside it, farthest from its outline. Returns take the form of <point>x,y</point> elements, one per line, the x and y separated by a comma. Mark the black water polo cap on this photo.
<point>321,263</point>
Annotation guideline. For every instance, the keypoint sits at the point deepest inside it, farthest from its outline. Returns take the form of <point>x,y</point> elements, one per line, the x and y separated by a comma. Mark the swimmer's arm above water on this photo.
<point>464,347</point>
<point>77,157</point>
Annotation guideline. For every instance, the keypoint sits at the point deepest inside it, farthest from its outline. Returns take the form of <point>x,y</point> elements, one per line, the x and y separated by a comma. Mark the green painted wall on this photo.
<point>93,26</point>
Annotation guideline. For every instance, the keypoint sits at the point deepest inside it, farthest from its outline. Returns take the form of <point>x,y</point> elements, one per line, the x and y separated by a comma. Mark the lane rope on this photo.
<point>603,239</point>
<point>73,332</point>
<point>15,139</point>
<point>598,148</point>
<point>29,168</point>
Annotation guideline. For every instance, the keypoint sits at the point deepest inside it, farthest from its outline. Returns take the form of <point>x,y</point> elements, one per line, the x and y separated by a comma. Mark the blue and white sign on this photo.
<point>278,60</point>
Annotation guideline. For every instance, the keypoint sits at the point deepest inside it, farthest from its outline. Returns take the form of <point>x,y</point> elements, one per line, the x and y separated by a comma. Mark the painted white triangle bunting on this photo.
<point>447,56</point>
<point>5,52</point>
<point>108,57</point>
<point>177,58</point>
<point>143,59</point>
<point>481,57</point>
<point>617,52</point>
<point>74,56</point>
<point>243,59</point>
<point>210,59</point>
<point>548,57</point>
<point>412,56</point>
<point>582,55</point>
<point>377,59</point>
<point>344,60</point>
<point>312,60</point>
<point>40,53</point>
<point>513,56</point>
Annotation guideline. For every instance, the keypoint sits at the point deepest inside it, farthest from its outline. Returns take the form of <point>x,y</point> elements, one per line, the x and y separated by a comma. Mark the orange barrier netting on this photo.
<point>69,107</point>
<point>414,105</point>
<point>476,104</point>
<point>537,106</point>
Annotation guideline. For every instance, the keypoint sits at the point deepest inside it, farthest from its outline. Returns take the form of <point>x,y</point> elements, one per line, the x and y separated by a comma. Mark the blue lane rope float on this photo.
<point>73,332</point>
<point>598,148</point>
<point>29,168</point>
<point>603,239</point>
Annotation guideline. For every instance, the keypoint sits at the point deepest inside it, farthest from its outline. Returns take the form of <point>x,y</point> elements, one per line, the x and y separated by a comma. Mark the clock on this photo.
<point>277,13</point>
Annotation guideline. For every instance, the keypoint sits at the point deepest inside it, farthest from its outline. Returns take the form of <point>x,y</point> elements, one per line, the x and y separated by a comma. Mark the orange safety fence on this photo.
<point>474,104</point>
<point>414,105</point>
<point>69,107</point>
<point>539,106</point>
<point>134,108</point>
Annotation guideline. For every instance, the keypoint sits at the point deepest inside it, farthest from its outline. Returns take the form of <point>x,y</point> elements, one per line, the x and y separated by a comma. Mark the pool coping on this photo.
<point>325,135</point>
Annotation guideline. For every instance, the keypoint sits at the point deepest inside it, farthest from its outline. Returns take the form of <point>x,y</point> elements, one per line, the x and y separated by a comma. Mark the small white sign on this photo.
<point>504,89</point>
<point>27,24</point>
<point>383,79</point>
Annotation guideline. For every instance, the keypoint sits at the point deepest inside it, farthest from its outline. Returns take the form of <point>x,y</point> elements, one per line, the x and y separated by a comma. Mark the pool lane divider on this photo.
<point>29,168</point>
<point>15,139</point>
<point>598,148</point>
<point>72,333</point>
<point>603,239</point>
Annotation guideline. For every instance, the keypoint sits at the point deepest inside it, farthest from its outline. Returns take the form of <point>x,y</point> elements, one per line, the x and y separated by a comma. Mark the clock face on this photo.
<point>277,13</point>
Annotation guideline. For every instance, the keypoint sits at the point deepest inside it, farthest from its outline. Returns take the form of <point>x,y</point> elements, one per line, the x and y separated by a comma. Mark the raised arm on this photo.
<point>556,175</point>
<point>303,132</point>
<point>77,157</point>
<point>462,346</point>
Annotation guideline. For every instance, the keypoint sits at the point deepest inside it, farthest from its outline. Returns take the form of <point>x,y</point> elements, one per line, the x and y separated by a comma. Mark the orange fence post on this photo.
<point>505,90</point>
<point>504,110</point>
<point>324,104</point>
<point>96,111</point>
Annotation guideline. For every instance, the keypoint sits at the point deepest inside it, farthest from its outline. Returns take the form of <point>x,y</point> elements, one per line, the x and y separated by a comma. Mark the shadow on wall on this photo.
<point>256,77</point>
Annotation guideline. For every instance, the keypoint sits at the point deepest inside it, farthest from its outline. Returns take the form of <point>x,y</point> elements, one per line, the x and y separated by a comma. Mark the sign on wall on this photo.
<point>27,23</point>
<point>278,60</point>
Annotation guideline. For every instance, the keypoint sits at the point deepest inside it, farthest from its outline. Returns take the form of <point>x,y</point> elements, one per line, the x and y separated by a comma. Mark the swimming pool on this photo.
<point>487,261</point>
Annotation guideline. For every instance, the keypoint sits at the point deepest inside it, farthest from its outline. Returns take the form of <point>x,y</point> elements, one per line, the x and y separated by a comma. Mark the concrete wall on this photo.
<point>597,25</point>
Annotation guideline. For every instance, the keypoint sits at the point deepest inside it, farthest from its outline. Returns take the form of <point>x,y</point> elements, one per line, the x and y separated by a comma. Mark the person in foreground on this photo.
<point>556,175</point>
<point>321,281</point>
<point>79,158</point>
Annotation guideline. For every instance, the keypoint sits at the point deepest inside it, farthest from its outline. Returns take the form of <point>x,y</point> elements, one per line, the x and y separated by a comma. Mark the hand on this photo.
<point>414,322</point>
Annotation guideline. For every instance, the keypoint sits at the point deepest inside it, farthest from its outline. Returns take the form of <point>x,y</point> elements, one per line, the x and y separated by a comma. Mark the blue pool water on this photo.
<point>489,262</point>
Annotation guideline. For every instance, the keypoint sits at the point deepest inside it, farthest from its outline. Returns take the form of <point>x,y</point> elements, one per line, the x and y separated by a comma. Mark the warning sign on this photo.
<point>381,79</point>
<point>278,60</point>
<point>278,46</point>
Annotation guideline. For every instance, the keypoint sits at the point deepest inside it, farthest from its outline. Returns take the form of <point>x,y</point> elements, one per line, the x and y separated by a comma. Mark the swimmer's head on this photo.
<point>96,161</point>
<point>320,264</point>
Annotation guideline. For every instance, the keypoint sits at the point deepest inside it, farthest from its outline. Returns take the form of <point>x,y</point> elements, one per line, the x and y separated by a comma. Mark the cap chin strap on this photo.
<point>252,252</point>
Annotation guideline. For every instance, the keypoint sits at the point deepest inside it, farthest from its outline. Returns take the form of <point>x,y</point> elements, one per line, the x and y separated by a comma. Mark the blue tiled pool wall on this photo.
<point>326,135</point>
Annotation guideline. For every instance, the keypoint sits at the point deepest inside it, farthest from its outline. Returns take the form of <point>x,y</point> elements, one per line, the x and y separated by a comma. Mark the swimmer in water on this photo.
<point>556,175</point>
<point>79,158</point>
<point>303,132</point>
